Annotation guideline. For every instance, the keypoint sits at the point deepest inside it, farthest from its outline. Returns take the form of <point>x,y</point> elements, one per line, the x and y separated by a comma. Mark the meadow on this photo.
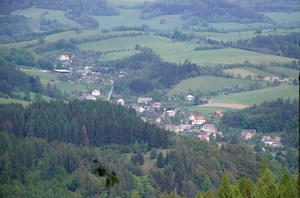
<point>245,71</point>
<point>258,96</point>
<point>286,18</point>
<point>180,51</point>
<point>234,36</point>
<point>286,71</point>
<point>206,84</point>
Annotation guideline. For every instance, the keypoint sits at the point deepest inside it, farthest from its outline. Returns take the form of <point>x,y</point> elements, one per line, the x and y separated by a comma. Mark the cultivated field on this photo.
<point>245,71</point>
<point>258,96</point>
<point>234,36</point>
<point>180,51</point>
<point>286,71</point>
<point>207,83</point>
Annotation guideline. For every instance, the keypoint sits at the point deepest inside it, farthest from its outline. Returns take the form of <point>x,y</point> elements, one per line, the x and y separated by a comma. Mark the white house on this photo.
<point>144,100</point>
<point>196,119</point>
<point>121,102</point>
<point>96,92</point>
<point>209,128</point>
<point>91,97</point>
<point>171,113</point>
<point>190,98</point>
<point>64,57</point>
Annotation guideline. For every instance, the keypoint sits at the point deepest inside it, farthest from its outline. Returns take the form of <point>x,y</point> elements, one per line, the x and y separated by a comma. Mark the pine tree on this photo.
<point>225,189</point>
<point>160,160</point>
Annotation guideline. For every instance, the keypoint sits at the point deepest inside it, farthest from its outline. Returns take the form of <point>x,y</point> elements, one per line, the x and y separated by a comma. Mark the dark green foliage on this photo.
<point>284,45</point>
<point>137,159</point>
<point>61,44</point>
<point>160,160</point>
<point>225,189</point>
<point>111,177</point>
<point>82,122</point>
<point>280,116</point>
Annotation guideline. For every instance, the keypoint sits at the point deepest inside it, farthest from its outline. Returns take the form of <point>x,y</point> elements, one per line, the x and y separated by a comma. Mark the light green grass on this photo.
<point>180,51</point>
<point>258,96</point>
<point>286,71</point>
<point>35,14</point>
<point>11,100</point>
<point>245,71</point>
<point>234,36</point>
<point>131,17</point>
<point>44,76</point>
<point>207,110</point>
<point>283,17</point>
<point>128,2</point>
<point>206,84</point>
<point>118,55</point>
<point>234,26</point>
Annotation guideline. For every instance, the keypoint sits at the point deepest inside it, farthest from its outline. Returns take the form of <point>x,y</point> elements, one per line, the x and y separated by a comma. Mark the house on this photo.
<point>96,92</point>
<point>219,113</point>
<point>174,128</point>
<point>64,57</point>
<point>273,142</point>
<point>196,119</point>
<point>204,136</point>
<point>210,128</point>
<point>171,113</point>
<point>144,100</point>
<point>61,71</point>
<point>248,133</point>
<point>156,105</point>
<point>121,102</point>
<point>91,97</point>
<point>203,100</point>
<point>190,98</point>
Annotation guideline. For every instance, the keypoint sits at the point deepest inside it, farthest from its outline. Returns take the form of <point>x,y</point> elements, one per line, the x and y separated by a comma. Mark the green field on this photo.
<point>291,18</point>
<point>180,51</point>
<point>207,110</point>
<point>258,96</point>
<point>11,100</point>
<point>234,26</point>
<point>35,13</point>
<point>245,71</point>
<point>206,84</point>
<point>234,36</point>
<point>44,76</point>
<point>286,71</point>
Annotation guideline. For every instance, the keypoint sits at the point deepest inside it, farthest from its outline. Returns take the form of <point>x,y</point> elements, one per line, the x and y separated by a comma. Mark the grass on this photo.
<point>11,100</point>
<point>283,17</point>
<point>35,13</point>
<point>286,71</point>
<point>258,96</point>
<point>234,26</point>
<point>180,51</point>
<point>234,36</point>
<point>245,71</point>
<point>44,76</point>
<point>206,84</point>
<point>206,110</point>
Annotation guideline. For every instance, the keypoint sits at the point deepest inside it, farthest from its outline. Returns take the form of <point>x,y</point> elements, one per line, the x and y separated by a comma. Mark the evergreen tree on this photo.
<point>225,189</point>
<point>160,160</point>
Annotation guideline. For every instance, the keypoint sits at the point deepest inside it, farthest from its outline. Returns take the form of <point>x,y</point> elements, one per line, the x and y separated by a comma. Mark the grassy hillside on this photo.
<point>207,83</point>
<point>11,100</point>
<point>286,71</point>
<point>258,96</point>
<point>180,51</point>
<point>245,71</point>
<point>287,18</point>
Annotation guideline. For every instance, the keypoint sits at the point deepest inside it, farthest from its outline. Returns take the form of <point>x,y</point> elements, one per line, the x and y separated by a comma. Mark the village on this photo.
<point>179,122</point>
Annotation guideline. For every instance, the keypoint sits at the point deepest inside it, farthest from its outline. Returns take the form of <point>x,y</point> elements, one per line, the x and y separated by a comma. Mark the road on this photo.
<point>111,90</point>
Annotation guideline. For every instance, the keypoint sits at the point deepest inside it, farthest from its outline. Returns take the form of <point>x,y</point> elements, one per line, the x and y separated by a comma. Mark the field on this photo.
<point>35,13</point>
<point>292,18</point>
<point>44,76</point>
<point>258,96</point>
<point>180,51</point>
<point>205,110</point>
<point>234,36</point>
<point>207,83</point>
<point>10,100</point>
<point>286,71</point>
<point>245,71</point>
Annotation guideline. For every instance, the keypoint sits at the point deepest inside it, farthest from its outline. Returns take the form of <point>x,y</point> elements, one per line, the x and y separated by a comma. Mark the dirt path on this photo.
<point>227,105</point>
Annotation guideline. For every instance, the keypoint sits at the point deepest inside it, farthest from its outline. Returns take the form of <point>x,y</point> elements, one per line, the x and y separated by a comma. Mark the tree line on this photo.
<point>81,122</point>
